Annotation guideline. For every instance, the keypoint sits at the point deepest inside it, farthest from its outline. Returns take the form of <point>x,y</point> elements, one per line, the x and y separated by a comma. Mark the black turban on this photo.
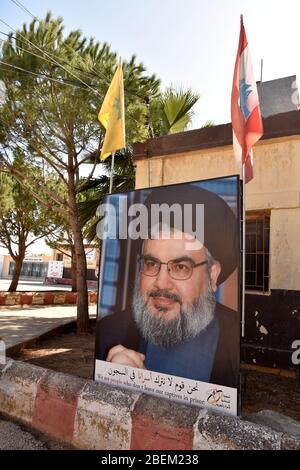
<point>221,229</point>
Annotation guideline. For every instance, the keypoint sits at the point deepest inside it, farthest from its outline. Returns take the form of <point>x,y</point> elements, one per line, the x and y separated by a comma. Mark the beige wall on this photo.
<point>285,249</point>
<point>276,187</point>
<point>5,268</point>
<point>92,260</point>
<point>8,259</point>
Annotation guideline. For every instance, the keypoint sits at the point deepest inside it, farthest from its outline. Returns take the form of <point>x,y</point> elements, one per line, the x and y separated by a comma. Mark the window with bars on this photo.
<point>257,252</point>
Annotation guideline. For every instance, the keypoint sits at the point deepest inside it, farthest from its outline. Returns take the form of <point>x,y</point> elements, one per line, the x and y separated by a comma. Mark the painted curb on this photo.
<point>89,415</point>
<point>8,299</point>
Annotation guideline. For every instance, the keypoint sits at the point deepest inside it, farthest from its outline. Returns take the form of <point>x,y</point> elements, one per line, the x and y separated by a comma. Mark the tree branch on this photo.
<point>44,202</point>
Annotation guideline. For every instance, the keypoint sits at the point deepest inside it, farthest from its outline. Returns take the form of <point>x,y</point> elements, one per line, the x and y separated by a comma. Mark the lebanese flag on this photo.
<point>247,127</point>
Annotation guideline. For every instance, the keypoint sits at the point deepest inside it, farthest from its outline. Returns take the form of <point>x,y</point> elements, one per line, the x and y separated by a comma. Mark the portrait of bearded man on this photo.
<point>174,324</point>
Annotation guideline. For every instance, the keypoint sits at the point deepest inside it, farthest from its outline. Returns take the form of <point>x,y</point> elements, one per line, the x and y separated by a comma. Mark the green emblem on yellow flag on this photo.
<point>112,116</point>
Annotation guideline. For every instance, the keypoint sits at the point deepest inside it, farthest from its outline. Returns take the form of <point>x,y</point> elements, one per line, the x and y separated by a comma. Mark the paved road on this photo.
<point>31,286</point>
<point>15,437</point>
<point>18,325</point>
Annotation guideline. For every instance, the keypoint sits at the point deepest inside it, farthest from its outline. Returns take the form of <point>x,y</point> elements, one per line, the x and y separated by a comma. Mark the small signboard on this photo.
<point>55,269</point>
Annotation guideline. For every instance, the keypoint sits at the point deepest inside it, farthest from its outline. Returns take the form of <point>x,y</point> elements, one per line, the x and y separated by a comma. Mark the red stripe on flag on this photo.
<point>249,131</point>
<point>253,130</point>
<point>248,169</point>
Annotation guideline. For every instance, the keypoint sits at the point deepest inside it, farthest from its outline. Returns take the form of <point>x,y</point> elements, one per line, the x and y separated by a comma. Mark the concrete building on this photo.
<point>92,261</point>
<point>34,267</point>
<point>272,322</point>
<point>278,96</point>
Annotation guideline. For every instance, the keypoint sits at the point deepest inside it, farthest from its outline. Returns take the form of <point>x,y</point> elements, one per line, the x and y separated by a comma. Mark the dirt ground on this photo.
<point>73,354</point>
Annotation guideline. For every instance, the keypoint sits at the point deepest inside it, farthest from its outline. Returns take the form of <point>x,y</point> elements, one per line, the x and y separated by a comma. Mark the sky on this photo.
<point>190,43</point>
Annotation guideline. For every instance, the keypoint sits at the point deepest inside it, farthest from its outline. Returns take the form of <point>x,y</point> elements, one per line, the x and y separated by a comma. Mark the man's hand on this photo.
<point>127,357</point>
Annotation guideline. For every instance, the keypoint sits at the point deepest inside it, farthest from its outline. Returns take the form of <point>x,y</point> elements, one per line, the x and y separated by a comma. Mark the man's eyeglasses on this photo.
<point>179,269</point>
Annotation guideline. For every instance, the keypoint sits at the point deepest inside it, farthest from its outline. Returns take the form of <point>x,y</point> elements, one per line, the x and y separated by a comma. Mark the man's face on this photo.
<point>183,293</point>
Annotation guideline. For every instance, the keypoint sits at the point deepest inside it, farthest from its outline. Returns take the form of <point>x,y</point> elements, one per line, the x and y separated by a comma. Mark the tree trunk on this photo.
<point>16,275</point>
<point>82,292</point>
<point>74,270</point>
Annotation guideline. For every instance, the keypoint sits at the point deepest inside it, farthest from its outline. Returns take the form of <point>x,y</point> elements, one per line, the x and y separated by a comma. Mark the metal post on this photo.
<point>112,172</point>
<point>243,251</point>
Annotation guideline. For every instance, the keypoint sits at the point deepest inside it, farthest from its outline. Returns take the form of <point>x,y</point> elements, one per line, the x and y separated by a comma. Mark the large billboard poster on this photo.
<point>168,319</point>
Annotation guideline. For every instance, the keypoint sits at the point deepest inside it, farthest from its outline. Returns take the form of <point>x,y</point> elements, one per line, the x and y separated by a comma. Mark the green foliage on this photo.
<point>172,112</point>
<point>54,123</point>
<point>209,124</point>
<point>40,109</point>
<point>169,114</point>
<point>94,190</point>
<point>22,219</point>
<point>6,198</point>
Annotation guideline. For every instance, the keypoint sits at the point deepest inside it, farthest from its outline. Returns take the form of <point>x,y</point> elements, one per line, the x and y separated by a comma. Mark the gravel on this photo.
<point>15,437</point>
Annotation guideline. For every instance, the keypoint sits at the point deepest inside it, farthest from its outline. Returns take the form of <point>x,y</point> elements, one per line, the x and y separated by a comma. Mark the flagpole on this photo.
<point>243,234</point>
<point>243,73</point>
<point>112,172</point>
<point>243,250</point>
<point>261,79</point>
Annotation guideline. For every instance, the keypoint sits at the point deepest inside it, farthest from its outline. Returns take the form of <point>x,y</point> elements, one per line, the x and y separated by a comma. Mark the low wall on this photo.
<point>42,298</point>
<point>95,416</point>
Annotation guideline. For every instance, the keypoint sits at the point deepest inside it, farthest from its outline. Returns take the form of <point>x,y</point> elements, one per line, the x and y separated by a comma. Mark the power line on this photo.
<point>90,74</point>
<point>97,73</point>
<point>41,57</point>
<point>49,77</point>
<point>20,5</point>
<point>41,75</point>
<point>53,60</point>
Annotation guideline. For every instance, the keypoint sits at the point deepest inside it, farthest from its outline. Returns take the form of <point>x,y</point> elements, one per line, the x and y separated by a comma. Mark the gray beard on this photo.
<point>188,324</point>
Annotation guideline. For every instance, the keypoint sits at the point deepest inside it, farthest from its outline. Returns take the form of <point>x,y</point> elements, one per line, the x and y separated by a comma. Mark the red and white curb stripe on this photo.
<point>88,415</point>
<point>8,299</point>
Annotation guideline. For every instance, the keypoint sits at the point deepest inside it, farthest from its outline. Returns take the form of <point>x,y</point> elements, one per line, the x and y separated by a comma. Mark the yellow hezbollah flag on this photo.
<point>112,117</point>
